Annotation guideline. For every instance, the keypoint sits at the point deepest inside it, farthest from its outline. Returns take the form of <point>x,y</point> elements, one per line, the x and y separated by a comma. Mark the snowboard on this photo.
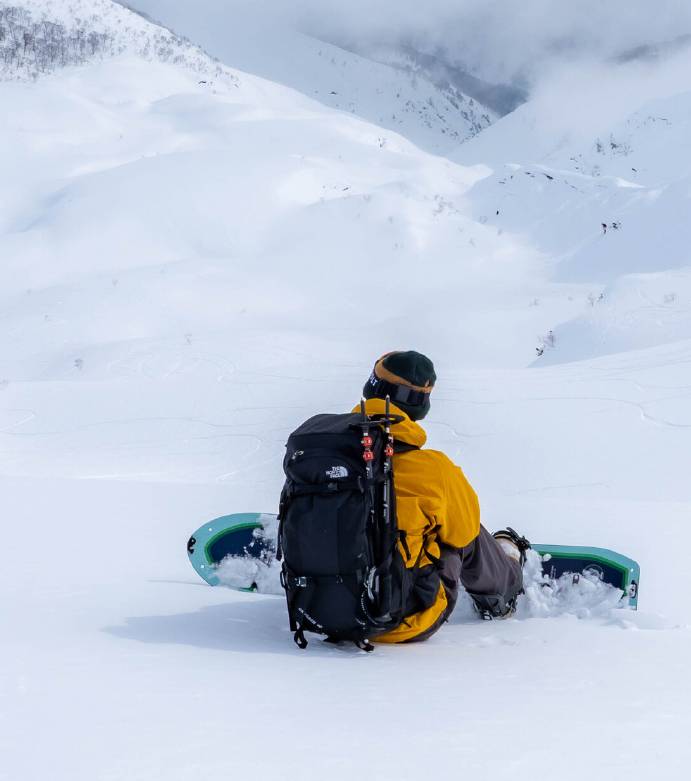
<point>242,541</point>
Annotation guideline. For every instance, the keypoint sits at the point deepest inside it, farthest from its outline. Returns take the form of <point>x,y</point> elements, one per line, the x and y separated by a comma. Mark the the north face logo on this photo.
<point>337,471</point>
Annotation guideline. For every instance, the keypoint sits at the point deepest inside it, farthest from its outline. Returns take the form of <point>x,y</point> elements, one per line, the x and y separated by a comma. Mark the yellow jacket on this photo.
<point>434,504</point>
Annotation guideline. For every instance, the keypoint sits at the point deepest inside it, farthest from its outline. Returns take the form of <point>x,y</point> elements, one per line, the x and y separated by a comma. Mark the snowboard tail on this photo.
<point>252,536</point>
<point>239,535</point>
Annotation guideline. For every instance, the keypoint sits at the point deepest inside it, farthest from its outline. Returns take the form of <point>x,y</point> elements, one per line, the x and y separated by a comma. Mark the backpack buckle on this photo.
<point>294,581</point>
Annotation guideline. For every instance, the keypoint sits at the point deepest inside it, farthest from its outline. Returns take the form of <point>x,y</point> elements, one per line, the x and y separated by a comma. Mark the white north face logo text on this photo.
<point>337,471</point>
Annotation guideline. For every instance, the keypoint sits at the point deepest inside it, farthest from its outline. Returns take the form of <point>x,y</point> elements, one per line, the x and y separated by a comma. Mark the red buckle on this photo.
<point>367,440</point>
<point>368,455</point>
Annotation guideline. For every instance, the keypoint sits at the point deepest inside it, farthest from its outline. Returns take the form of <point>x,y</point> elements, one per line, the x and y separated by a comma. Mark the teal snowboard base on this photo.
<point>253,536</point>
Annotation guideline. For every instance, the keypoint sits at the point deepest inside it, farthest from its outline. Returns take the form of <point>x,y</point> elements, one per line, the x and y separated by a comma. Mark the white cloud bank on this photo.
<point>501,40</point>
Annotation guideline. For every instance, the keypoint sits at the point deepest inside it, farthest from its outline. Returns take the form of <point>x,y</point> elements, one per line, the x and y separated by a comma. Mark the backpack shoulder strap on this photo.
<point>403,447</point>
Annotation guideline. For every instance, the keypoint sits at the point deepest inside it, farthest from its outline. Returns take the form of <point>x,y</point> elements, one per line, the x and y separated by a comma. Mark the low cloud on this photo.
<point>498,40</point>
<point>506,40</point>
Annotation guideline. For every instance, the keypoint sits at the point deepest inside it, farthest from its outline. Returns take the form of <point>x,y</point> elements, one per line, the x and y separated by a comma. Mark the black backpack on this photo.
<point>342,572</point>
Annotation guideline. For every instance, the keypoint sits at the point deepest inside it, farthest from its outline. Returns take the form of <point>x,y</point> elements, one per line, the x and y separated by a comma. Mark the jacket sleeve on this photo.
<point>459,521</point>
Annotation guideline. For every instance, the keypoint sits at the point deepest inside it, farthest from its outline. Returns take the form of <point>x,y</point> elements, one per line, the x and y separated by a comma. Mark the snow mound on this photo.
<point>241,572</point>
<point>259,574</point>
<point>636,312</point>
<point>585,596</point>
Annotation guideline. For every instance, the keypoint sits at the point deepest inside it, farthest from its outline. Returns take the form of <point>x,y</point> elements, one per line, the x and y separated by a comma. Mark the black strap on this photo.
<point>403,537</point>
<point>434,559</point>
<point>403,447</point>
<point>293,581</point>
<point>299,638</point>
<point>281,512</point>
<point>402,393</point>
<point>296,581</point>
<point>305,489</point>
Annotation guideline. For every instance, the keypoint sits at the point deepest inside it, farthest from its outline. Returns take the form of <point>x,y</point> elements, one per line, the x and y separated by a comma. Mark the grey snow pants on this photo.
<point>482,568</point>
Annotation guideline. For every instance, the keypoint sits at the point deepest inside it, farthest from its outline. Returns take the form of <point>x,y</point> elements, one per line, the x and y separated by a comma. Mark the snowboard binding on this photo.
<point>492,606</point>
<point>515,539</point>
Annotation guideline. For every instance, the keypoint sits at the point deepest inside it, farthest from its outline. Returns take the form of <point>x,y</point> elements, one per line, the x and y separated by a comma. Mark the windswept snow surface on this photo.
<point>187,271</point>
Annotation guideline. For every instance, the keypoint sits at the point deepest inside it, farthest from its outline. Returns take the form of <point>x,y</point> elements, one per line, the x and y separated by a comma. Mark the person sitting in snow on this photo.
<point>439,512</point>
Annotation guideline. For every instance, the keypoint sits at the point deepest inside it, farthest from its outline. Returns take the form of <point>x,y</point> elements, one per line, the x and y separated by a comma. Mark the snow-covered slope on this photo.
<point>192,265</point>
<point>38,36</point>
<point>406,101</point>
<point>604,190</point>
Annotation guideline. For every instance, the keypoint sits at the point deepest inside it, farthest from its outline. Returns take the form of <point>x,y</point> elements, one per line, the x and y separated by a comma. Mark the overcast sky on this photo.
<point>500,39</point>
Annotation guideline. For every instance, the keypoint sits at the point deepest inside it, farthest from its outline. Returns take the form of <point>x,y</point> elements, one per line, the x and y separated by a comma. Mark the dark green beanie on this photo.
<point>407,377</point>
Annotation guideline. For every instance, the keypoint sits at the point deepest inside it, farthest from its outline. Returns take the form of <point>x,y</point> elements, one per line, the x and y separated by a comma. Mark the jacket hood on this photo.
<point>407,430</point>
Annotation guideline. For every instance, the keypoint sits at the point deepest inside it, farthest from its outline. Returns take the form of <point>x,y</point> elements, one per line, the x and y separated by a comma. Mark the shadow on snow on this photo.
<point>257,625</point>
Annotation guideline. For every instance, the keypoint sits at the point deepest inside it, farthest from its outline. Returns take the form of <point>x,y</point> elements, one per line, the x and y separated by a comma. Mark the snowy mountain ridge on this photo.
<point>407,101</point>
<point>502,99</point>
<point>38,36</point>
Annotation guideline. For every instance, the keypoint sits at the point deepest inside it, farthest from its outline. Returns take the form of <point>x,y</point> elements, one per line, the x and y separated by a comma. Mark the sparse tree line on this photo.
<point>30,48</point>
<point>33,47</point>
